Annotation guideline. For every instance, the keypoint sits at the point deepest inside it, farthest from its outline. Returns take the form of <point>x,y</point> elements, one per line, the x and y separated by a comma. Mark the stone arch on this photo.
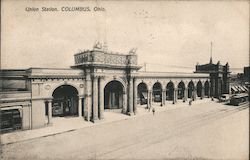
<point>113,95</point>
<point>142,91</point>
<point>65,101</point>
<point>170,91</point>
<point>199,89</point>
<point>206,88</point>
<point>61,84</point>
<point>181,90</point>
<point>157,92</point>
<point>109,79</point>
<point>190,88</point>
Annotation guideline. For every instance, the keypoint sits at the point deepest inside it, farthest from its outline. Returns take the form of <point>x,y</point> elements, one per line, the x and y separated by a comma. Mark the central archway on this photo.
<point>113,95</point>
<point>65,101</point>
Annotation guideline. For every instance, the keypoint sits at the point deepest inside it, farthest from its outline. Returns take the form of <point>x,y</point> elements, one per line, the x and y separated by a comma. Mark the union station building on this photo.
<point>99,80</point>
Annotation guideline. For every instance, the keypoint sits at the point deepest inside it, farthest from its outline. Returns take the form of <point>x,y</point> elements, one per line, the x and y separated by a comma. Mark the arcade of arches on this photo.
<point>101,80</point>
<point>170,93</point>
<point>66,101</point>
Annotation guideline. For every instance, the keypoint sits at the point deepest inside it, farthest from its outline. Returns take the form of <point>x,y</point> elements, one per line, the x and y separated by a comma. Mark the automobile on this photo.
<point>224,98</point>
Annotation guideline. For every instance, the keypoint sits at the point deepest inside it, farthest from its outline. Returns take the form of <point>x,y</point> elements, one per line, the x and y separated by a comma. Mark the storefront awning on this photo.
<point>238,88</point>
<point>245,88</point>
<point>234,89</point>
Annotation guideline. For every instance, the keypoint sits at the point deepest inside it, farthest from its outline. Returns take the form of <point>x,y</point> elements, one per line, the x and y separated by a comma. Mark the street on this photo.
<point>208,130</point>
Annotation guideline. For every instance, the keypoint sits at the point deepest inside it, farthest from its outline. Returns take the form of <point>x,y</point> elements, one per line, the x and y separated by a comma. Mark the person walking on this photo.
<point>149,108</point>
<point>153,110</point>
<point>190,102</point>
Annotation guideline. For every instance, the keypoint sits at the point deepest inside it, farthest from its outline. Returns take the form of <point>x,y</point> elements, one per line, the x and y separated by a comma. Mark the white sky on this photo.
<point>173,33</point>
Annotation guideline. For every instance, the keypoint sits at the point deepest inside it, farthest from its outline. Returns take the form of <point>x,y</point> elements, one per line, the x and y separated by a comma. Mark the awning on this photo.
<point>245,88</point>
<point>239,89</point>
<point>234,89</point>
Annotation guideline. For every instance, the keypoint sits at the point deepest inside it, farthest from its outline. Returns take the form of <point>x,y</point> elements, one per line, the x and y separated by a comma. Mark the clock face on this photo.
<point>47,87</point>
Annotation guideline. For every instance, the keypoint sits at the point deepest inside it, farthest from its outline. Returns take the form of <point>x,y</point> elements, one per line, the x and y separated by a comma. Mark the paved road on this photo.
<point>203,131</point>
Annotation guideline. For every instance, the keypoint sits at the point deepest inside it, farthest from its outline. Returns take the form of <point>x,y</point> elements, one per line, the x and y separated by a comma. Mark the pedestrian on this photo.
<point>153,110</point>
<point>149,108</point>
<point>190,102</point>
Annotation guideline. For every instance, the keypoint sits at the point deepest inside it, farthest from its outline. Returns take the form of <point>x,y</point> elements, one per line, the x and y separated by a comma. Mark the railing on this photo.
<point>100,57</point>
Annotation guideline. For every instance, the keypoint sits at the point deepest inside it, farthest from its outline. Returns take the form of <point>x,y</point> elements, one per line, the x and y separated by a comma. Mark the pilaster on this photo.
<point>163,97</point>
<point>130,97</point>
<point>148,99</point>
<point>49,112</point>
<point>95,99</point>
<point>87,102</point>
<point>135,96</point>
<point>80,106</point>
<point>101,99</point>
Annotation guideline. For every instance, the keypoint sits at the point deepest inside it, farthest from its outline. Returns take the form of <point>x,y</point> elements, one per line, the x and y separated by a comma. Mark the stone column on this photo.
<point>148,99</point>
<point>185,94</point>
<point>130,97</point>
<point>80,106</point>
<point>175,95</point>
<point>202,92</point>
<point>195,93</point>
<point>101,99</point>
<point>135,97</point>
<point>87,102</point>
<point>49,112</point>
<point>124,103</point>
<point>163,97</point>
<point>95,99</point>
<point>209,91</point>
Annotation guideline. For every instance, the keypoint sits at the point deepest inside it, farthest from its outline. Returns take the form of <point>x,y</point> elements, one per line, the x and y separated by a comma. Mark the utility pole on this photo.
<point>211,53</point>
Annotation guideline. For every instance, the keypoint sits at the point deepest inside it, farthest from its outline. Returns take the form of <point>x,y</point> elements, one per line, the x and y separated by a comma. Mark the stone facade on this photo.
<point>101,80</point>
<point>219,77</point>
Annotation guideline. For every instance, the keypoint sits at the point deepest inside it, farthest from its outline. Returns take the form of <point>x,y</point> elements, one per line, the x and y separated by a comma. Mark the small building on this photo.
<point>219,77</point>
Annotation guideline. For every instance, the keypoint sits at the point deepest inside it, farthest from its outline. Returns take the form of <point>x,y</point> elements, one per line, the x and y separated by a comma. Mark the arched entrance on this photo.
<point>199,89</point>
<point>170,91</point>
<point>207,88</point>
<point>65,101</point>
<point>113,93</point>
<point>157,90</point>
<point>181,89</point>
<point>142,93</point>
<point>190,89</point>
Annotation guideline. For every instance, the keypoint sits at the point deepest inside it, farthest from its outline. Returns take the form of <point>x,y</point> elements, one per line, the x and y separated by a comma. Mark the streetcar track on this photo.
<point>184,127</point>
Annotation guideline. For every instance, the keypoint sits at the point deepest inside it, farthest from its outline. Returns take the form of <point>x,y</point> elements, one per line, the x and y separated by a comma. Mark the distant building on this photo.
<point>219,77</point>
<point>247,76</point>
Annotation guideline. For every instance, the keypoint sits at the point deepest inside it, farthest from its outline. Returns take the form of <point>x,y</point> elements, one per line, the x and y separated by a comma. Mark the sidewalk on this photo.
<point>67,124</point>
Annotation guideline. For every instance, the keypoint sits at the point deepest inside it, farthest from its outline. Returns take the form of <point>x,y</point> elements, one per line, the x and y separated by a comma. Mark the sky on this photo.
<point>169,35</point>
